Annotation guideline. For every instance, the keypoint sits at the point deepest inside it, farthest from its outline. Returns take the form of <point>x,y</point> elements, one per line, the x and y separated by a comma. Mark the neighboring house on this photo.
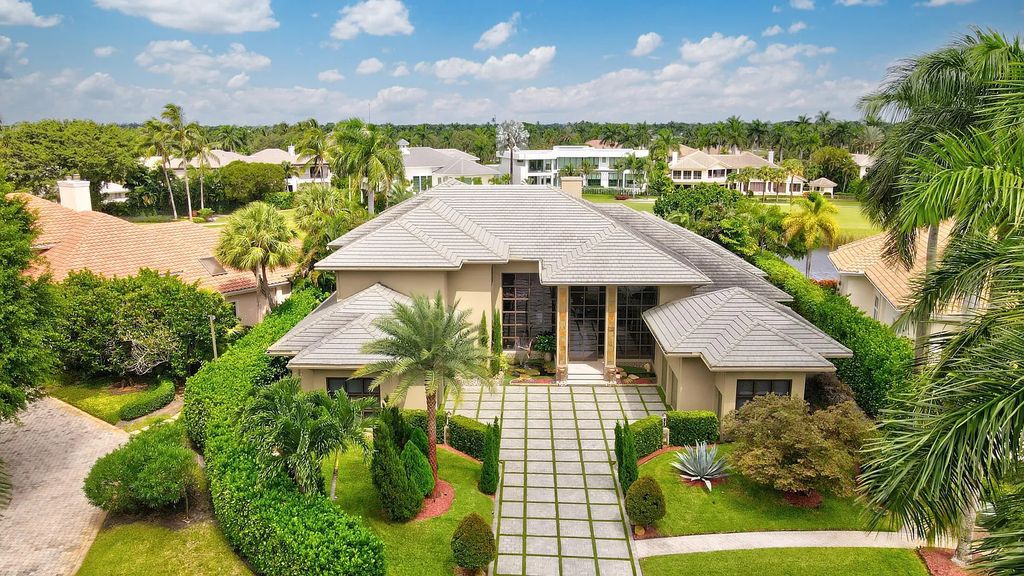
<point>544,166</point>
<point>428,167</point>
<point>302,171</point>
<point>863,161</point>
<point>113,192</point>
<point>879,288</point>
<point>689,167</point>
<point>615,286</point>
<point>823,185</point>
<point>73,237</point>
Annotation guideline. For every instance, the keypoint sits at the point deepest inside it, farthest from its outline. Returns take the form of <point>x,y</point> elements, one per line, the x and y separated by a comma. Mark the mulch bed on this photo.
<point>940,562</point>
<point>811,499</point>
<point>701,484</point>
<point>651,532</point>
<point>439,503</point>
<point>657,453</point>
<point>448,448</point>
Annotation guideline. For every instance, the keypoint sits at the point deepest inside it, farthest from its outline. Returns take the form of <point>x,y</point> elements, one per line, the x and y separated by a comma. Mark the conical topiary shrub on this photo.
<point>627,463</point>
<point>489,472</point>
<point>419,438</point>
<point>473,543</point>
<point>399,496</point>
<point>400,429</point>
<point>417,467</point>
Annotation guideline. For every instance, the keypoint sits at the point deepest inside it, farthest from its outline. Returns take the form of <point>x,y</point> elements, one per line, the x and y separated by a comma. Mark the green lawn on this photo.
<point>146,548</point>
<point>98,398</point>
<point>739,505</point>
<point>222,219</point>
<point>643,205</point>
<point>791,562</point>
<point>853,225</point>
<point>415,547</point>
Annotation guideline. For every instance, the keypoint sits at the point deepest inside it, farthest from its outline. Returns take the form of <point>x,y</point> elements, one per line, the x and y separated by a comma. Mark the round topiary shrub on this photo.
<point>473,543</point>
<point>645,503</point>
<point>418,468</point>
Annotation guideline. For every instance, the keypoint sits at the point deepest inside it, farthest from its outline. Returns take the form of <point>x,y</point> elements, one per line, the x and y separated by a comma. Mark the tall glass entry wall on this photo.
<point>527,309</point>
<point>633,340</point>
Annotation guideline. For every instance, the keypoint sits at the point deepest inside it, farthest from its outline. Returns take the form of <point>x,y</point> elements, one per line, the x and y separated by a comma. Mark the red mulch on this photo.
<point>940,562</point>
<point>811,499</point>
<point>650,532</point>
<point>701,484</point>
<point>457,452</point>
<point>460,571</point>
<point>439,503</point>
<point>657,453</point>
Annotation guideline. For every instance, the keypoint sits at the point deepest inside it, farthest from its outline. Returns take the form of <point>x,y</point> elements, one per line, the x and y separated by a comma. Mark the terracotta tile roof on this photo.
<point>110,246</point>
<point>865,257</point>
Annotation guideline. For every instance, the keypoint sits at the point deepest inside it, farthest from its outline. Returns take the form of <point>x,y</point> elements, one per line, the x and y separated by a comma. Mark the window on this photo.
<point>536,166</point>
<point>677,175</point>
<point>716,173</point>
<point>355,388</point>
<point>528,309</point>
<point>632,338</point>
<point>697,174</point>
<point>212,266</point>
<point>874,308</point>
<point>747,390</point>
<point>757,187</point>
<point>421,183</point>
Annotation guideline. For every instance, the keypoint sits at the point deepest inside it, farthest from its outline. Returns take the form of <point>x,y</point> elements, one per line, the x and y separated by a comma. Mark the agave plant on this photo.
<point>700,463</point>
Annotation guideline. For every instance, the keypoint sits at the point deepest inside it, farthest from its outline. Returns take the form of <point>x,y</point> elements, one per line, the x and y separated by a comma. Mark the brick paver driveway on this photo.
<point>49,525</point>
<point>559,511</point>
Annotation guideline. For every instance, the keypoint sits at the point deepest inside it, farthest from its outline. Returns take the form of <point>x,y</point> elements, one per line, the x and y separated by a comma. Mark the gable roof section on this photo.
<point>733,329</point>
<point>334,334</point>
<point>822,183</point>
<point>466,167</point>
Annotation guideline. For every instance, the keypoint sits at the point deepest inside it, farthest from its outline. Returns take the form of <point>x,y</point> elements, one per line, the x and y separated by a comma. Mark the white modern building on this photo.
<point>863,161</point>
<point>428,167</point>
<point>543,166</point>
<point>689,167</point>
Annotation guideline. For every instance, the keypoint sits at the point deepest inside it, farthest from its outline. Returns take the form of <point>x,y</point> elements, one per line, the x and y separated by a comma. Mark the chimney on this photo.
<point>572,186</point>
<point>74,194</point>
<point>291,150</point>
<point>675,155</point>
<point>771,156</point>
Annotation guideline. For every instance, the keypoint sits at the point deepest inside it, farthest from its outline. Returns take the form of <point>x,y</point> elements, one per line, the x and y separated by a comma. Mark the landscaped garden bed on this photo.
<point>111,401</point>
<point>791,562</point>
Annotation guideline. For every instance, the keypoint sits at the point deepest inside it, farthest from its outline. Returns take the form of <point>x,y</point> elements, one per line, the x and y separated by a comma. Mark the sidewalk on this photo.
<point>781,539</point>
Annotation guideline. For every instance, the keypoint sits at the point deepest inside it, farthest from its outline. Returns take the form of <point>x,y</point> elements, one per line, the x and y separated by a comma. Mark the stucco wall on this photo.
<point>726,384</point>
<point>425,282</point>
<point>472,288</point>
<point>313,379</point>
<point>246,307</point>
<point>859,290</point>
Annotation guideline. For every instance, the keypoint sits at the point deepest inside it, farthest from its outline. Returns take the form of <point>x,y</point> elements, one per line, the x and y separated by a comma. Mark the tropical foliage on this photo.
<point>700,463</point>
<point>813,223</point>
<point>257,238</point>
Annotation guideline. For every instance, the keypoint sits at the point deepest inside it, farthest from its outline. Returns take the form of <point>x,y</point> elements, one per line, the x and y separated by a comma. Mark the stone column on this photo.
<point>611,315</point>
<point>562,335</point>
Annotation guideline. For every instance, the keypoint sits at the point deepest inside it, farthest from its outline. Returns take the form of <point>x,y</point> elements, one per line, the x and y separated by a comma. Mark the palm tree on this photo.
<point>315,145</point>
<point>182,135</point>
<point>814,220</point>
<point>348,426</point>
<point>824,118</point>
<point>793,168</point>
<point>323,214</point>
<point>586,169</point>
<point>758,131</point>
<point>371,157</point>
<point>232,138</point>
<point>734,133</point>
<point>203,155</point>
<point>157,142</point>
<point>427,343</point>
<point>296,429</point>
<point>511,135</point>
<point>665,142</point>
<point>256,238</point>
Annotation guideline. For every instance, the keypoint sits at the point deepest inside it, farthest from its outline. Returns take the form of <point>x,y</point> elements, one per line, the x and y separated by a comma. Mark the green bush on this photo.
<point>882,361</point>
<point>417,467</point>
<point>464,434</point>
<point>645,502</point>
<point>646,434</point>
<point>488,483</point>
<point>279,531</point>
<point>400,431</point>
<point>627,463</point>
<point>473,542</point>
<point>149,401</point>
<point>153,470</point>
<point>688,427</point>
<point>399,494</point>
<point>618,441</point>
<point>417,437</point>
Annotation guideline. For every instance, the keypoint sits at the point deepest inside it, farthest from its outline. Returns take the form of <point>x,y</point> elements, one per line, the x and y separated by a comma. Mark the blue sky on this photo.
<point>264,61</point>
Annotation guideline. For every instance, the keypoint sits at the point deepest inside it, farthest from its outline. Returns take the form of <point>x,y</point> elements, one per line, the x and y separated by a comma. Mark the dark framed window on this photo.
<point>632,338</point>
<point>528,309</point>
<point>747,390</point>
<point>355,388</point>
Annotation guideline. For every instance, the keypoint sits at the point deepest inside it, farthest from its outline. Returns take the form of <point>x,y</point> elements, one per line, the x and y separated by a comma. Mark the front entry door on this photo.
<point>586,322</point>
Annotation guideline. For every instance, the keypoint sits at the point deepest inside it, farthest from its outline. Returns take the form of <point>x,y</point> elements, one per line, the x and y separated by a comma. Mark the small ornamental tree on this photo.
<point>627,463</point>
<point>399,496</point>
<point>473,543</point>
<point>645,503</point>
<point>618,445</point>
<point>489,473</point>
<point>482,331</point>
<point>417,467</point>
<point>400,430</point>
<point>496,343</point>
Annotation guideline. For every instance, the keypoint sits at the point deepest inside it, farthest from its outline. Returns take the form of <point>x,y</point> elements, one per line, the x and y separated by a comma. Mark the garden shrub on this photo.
<point>417,467</point>
<point>882,361</point>
<point>826,389</point>
<point>148,401</point>
<point>473,543</point>
<point>464,434</point>
<point>399,495</point>
<point>417,437</point>
<point>279,531</point>
<point>627,462</point>
<point>779,443</point>
<point>645,502</point>
<point>488,483</point>
<point>153,470</point>
<point>400,430</point>
<point>688,427</point>
<point>618,442</point>
<point>646,434</point>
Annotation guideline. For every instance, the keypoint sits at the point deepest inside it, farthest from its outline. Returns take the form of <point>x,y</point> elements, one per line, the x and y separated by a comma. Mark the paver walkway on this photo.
<point>780,539</point>
<point>49,525</point>
<point>559,511</point>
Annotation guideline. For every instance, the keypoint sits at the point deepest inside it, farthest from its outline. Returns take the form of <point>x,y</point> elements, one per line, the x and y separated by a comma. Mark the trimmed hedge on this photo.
<point>279,530</point>
<point>685,428</point>
<point>882,361</point>
<point>646,435</point>
<point>464,434</point>
<point>149,401</point>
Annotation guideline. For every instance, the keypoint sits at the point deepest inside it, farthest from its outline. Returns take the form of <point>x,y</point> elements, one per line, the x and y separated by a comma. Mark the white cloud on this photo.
<point>497,35</point>
<point>238,80</point>
<point>103,51</point>
<point>508,67</point>
<point>21,13</point>
<point>940,3</point>
<point>772,31</point>
<point>400,70</point>
<point>646,43</point>
<point>373,17</point>
<point>782,52</point>
<point>797,26</point>
<point>185,62</point>
<point>369,66</point>
<point>776,9</point>
<point>802,4</point>
<point>11,51</point>
<point>860,2</point>
<point>221,17</point>
<point>716,48</point>
<point>331,75</point>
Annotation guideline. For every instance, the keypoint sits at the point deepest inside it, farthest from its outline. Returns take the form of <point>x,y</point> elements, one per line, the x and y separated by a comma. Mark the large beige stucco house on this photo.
<point>617,287</point>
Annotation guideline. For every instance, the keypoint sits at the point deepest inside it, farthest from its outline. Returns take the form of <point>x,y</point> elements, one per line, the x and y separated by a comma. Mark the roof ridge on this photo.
<point>469,227</point>
<point>789,338</point>
<point>750,323</point>
<point>707,313</point>
<point>430,242</point>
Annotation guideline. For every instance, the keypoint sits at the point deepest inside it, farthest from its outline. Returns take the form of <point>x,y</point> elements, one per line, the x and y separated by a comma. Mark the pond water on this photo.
<point>821,266</point>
